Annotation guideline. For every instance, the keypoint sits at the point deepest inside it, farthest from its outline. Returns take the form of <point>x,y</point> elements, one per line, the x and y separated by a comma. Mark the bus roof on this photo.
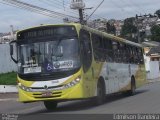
<point>45,25</point>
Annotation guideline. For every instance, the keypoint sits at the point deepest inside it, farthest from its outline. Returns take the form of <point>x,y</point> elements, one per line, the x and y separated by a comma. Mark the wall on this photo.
<point>6,64</point>
<point>154,71</point>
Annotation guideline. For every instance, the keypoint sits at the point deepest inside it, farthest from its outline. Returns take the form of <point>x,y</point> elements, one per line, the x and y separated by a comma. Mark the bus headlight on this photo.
<point>24,87</point>
<point>73,83</point>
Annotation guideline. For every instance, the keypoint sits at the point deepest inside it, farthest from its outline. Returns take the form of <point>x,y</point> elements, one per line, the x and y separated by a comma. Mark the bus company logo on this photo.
<point>57,65</point>
<point>46,87</point>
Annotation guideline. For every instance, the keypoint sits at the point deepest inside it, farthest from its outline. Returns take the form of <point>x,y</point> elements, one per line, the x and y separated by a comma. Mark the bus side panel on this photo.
<point>140,76</point>
<point>117,76</point>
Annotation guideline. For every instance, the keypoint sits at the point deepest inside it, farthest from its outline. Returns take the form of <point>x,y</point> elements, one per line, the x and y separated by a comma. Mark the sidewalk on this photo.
<point>8,89</point>
<point>8,97</point>
<point>154,80</point>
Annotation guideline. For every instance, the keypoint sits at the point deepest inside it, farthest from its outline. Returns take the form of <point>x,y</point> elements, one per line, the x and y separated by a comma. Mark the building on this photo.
<point>144,24</point>
<point>98,24</point>
<point>118,25</point>
<point>158,22</point>
<point>7,37</point>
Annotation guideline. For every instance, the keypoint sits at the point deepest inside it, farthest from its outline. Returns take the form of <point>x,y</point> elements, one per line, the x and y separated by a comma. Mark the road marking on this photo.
<point>8,99</point>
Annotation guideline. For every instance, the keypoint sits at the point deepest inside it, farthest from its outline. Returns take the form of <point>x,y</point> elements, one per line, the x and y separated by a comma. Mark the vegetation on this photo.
<point>155,30</point>
<point>129,28</point>
<point>111,28</point>
<point>158,13</point>
<point>8,78</point>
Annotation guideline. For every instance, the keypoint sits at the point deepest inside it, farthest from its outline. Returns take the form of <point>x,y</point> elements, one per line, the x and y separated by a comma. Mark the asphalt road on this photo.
<point>146,100</point>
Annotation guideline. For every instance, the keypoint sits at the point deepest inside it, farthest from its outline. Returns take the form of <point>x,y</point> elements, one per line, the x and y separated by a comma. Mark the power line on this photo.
<point>53,5</point>
<point>36,8</point>
<point>24,8</point>
<point>95,9</point>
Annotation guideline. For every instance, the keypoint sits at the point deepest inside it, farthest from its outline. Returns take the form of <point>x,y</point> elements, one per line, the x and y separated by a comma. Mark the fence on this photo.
<point>6,64</point>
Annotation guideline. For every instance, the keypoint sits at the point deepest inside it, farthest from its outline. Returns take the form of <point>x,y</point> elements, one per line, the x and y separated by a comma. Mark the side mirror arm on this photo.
<point>11,50</point>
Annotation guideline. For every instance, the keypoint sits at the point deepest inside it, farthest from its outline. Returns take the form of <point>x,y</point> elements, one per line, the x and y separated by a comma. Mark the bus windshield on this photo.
<point>48,56</point>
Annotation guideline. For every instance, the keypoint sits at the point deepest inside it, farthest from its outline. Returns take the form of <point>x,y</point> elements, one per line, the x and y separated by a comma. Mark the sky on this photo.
<point>110,9</point>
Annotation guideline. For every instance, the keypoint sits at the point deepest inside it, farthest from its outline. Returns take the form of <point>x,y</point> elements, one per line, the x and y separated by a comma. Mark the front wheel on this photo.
<point>50,105</point>
<point>100,98</point>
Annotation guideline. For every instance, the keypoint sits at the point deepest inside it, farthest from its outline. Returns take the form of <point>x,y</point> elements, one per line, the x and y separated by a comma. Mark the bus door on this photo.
<point>86,58</point>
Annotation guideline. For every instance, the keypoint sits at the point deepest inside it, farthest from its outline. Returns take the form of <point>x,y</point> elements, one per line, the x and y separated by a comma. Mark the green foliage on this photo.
<point>158,13</point>
<point>8,78</point>
<point>128,28</point>
<point>111,28</point>
<point>155,30</point>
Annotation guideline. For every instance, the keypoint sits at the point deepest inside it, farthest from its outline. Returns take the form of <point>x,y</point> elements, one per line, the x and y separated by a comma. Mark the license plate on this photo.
<point>46,94</point>
<point>32,70</point>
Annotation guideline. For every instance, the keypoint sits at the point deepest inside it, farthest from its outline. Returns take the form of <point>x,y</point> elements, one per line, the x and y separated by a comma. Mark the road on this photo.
<point>146,100</point>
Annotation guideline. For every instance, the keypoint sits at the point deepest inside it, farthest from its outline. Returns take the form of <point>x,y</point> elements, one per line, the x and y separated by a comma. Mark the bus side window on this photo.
<point>131,59</point>
<point>141,59</point>
<point>115,49</point>
<point>97,42</point>
<point>119,60</point>
<point>127,54</point>
<point>86,50</point>
<point>124,53</point>
<point>108,50</point>
<point>122,57</point>
<point>136,55</point>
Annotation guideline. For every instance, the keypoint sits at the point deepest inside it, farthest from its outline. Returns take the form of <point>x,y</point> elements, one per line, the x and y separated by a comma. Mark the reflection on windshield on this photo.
<point>50,56</point>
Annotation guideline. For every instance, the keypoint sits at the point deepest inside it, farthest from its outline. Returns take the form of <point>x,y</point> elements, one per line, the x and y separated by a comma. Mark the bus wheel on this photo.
<point>50,105</point>
<point>100,98</point>
<point>133,87</point>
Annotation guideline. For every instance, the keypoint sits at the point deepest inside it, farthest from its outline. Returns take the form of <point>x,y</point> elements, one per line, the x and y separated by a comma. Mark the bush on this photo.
<point>8,78</point>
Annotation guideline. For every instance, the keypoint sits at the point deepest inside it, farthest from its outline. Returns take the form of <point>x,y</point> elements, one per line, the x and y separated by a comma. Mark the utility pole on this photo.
<point>12,34</point>
<point>78,5</point>
<point>81,18</point>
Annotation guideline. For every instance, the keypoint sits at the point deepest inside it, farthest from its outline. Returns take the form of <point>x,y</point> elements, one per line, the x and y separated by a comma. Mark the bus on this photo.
<point>58,63</point>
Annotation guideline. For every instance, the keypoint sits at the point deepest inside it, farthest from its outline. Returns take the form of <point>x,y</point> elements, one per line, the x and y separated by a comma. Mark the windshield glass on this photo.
<point>48,57</point>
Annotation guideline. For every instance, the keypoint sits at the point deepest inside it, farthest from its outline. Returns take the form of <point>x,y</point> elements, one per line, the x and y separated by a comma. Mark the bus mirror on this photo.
<point>12,45</point>
<point>11,50</point>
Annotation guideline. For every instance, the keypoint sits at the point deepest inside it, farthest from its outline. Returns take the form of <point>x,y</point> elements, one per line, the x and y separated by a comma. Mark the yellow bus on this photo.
<point>71,61</point>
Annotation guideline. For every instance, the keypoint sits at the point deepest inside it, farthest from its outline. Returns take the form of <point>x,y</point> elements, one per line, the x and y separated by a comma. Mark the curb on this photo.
<point>154,80</point>
<point>8,89</point>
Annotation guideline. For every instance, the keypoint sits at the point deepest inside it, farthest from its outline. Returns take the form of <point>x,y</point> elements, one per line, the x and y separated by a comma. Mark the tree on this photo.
<point>111,28</point>
<point>155,30</point>
<point>158,13</point>
<point>128,29</point>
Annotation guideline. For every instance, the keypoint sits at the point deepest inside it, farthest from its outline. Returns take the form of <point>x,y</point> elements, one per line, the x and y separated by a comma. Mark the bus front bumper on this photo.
<point>75,92</point>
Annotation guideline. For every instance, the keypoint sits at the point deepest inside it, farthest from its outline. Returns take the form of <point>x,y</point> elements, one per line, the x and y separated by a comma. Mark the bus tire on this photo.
<point>133,87</point>
<point>50,105</point>
<point>100,98</point>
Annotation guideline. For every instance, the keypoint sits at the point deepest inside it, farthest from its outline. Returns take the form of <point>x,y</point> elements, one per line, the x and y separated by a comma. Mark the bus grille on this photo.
<point>46,95</point>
